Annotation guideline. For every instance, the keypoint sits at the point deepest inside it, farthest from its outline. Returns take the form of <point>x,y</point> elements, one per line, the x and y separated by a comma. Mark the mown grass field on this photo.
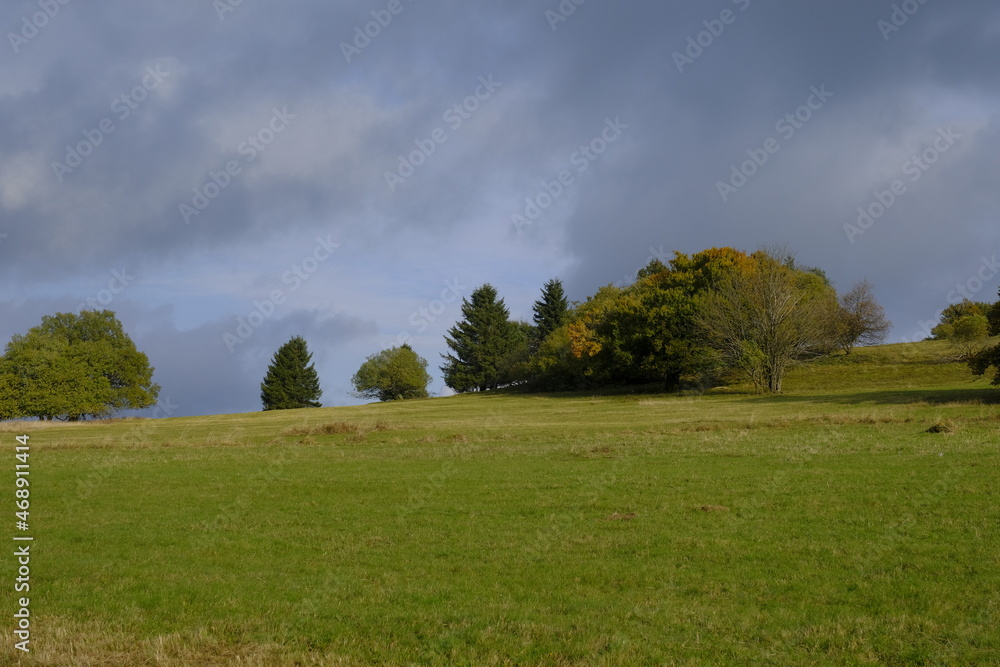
<point>825,526</point>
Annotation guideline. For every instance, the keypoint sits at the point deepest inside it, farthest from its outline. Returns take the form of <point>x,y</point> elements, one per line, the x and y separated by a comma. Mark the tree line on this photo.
<point>698,321</point>
<point>714,317</point>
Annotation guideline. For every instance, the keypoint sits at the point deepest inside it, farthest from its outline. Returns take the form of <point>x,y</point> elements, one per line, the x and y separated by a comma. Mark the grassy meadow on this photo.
<point>825,526</point>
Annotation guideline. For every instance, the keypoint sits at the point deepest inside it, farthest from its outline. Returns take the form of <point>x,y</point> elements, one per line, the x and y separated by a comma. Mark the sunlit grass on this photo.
<point>824,526</point>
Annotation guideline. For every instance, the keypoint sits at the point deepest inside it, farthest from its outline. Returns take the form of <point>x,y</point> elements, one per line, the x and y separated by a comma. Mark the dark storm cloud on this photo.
<point>195,92</point>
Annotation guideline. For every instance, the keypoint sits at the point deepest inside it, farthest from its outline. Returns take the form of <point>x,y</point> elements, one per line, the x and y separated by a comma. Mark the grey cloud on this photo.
<point>655,187</point>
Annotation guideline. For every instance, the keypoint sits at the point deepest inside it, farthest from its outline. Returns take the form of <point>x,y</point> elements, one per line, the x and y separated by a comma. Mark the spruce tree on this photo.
<point>551,310</point>
<point>481,344</point>
<point>291,380</point>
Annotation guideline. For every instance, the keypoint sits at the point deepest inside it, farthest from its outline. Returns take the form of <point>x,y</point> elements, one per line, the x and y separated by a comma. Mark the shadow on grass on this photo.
<point>980,395</point>
<point>974,396</point>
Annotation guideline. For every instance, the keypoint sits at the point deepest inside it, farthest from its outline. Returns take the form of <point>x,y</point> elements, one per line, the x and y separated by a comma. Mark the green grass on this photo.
<point>823,526</point>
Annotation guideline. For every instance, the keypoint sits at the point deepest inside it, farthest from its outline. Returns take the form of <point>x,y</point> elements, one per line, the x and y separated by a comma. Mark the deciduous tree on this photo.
<point>860,319</point>
<point>75,366</point>
<point>394,374</point>
<point>945,328</point>
<point>993,315</point>
<point>968,335</point>
<point>762,319</point>
<point>645,333</point>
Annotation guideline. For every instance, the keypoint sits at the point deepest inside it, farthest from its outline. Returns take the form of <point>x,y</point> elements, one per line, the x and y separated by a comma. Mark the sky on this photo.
<point>228,174</point>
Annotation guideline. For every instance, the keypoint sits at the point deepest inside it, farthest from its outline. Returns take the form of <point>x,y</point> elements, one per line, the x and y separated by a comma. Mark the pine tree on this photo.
<point>551,310</point>
<point>291,380</point>
<point>482,344</point>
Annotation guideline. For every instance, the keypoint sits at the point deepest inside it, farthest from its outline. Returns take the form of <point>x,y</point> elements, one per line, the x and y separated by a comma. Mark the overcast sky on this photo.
<point>348,171</point>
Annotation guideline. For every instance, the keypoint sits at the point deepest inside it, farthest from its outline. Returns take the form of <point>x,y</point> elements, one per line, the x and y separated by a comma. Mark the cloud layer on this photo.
<point>205,150</point>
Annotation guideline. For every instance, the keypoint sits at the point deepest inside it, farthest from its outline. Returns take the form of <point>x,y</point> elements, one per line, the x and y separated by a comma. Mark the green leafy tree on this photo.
<point>555,367</point>
<point>393,374</point>
<point>74,366</point>
<point>946,326</point>
<point>8,397</point>
<point>980,362</point>
<point>642,336</point>
<point>551,310</point>
<point>993,316</point>
<point>482,344</point>
<point>645,333</point>
<point>291,380</point>
<point>969,333</point>
<point>651,269</point>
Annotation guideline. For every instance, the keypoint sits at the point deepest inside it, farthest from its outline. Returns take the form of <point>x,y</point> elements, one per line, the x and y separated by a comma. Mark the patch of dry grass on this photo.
<point>339,428</point>
<point>57,643</point>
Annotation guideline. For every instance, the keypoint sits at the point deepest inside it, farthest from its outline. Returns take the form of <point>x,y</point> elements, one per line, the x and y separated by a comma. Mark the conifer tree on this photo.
<point>482,344</point>
<point>551,311</point>
<point>291,380</point>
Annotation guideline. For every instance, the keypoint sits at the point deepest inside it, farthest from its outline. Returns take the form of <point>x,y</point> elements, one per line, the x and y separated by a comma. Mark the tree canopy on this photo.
<point>860,319</point>
<point>483,345</point>
<point>73,367</point>
<point>640,334</point>
<point>551,310</point>
<point>393,374</point>
<point>982,361</point>
<point>291,380</point>
<point>763,319</point>
<point>694,321</point>
<point>950,315</point>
